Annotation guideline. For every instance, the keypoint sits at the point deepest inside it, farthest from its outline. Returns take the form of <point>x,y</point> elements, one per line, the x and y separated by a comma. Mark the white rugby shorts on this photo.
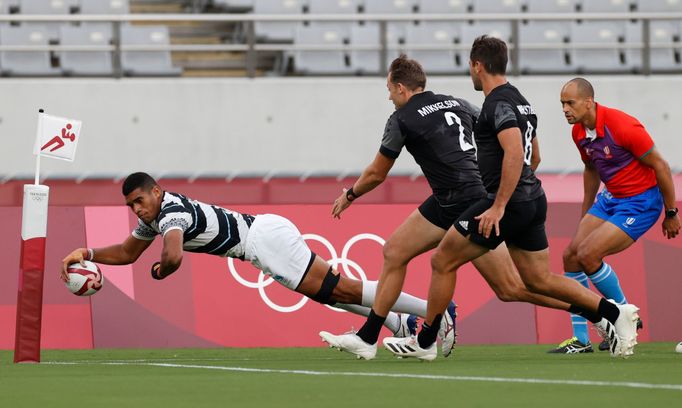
<point>275,246</point>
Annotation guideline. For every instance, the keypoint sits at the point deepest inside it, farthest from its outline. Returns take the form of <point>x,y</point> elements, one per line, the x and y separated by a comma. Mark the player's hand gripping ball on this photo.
<point>84,280</point>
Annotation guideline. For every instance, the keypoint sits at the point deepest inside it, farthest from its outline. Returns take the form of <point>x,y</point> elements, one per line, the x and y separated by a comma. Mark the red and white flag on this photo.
<point>57,137</point>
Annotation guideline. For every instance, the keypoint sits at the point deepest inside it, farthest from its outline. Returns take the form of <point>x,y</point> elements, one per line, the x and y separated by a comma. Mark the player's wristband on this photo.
<point>91,254</point>
<point>350,194</point>
<point>155,271</point>
<point>671,212</point>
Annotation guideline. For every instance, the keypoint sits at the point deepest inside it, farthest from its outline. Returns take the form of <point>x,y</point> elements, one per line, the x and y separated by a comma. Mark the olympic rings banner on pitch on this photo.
<point>214,302</point>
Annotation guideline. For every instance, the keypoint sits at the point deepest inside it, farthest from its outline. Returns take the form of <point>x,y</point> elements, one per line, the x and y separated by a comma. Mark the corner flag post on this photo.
<point>56,137</point>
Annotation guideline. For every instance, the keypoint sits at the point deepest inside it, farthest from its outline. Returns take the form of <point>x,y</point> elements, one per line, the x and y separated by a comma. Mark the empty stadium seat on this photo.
<point>604,35</point>
<point>334,7</point>
<point>551,6</point>
<point>26,63</point>
<point>369,61</point>
<point>45,7</point>
<point>4,9</point>
<point>319,62</point>
<point>665,51</point>
<point>392,7</point>
<point>277,30</point>
<point>549,34</point>
<point>674,6</point>
<point>103,7</point>
<point>605,6</point>
<point>146,62</point>
<point>433,34</point>
<point>443,6</point>
<point>85,62</point>
<point>240,4</point>
<point>497,6</point>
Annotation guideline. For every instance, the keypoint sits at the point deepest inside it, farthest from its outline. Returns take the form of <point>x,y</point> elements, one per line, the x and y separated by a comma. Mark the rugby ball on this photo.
<point>84,280</point>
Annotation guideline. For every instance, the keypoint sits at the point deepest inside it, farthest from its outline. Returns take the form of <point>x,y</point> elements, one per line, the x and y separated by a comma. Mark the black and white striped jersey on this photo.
<point>206,228</point>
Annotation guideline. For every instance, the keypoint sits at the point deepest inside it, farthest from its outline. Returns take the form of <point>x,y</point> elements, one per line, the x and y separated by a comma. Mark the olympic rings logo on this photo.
<point>335,260</point>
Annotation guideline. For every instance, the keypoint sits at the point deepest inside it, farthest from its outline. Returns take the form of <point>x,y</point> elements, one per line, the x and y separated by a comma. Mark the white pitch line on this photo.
<point>674,387</point>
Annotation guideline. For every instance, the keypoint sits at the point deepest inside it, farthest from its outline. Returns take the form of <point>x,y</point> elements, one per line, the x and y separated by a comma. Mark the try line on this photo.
<point>675,387</point>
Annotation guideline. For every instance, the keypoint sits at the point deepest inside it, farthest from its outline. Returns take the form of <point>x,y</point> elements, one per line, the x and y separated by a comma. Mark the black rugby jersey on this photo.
<point>502,109</point>
<point>206,228</point>
<point>437,131</point>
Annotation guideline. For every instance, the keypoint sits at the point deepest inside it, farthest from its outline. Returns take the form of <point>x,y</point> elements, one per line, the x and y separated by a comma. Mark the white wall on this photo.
<point>286,125</point>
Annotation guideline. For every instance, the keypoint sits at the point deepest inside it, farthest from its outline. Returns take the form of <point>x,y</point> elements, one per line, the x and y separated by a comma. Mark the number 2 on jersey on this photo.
<point>451,118</point>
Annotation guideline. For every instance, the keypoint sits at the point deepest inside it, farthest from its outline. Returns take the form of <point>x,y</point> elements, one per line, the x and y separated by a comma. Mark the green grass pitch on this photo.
<point>474,376</point>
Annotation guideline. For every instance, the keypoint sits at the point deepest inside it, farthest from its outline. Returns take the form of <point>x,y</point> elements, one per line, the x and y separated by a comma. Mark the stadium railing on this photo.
<point>251,47</point>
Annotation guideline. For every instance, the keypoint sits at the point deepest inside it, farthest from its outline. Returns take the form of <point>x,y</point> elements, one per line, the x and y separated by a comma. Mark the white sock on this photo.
<point>405,303</point>
<point>392,321</point>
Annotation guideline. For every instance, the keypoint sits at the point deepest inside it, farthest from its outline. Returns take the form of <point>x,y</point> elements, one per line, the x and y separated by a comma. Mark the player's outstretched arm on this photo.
<point>664,178</point>
<point>373,175</point>
<point>119,254</point>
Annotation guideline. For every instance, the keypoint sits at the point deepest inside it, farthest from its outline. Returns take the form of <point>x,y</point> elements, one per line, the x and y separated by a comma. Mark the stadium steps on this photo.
<point>204,64</point>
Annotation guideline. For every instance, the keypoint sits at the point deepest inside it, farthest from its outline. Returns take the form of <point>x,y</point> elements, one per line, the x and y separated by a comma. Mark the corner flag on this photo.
<point>56,137</point>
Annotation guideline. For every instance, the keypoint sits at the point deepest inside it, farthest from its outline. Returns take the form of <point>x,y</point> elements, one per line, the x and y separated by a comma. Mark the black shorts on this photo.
<point>522,226</point>
<point>444,216</point>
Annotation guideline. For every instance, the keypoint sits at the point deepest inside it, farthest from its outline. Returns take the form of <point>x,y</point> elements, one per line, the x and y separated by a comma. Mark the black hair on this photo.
<point>491,52</point>
<point>138,180</point>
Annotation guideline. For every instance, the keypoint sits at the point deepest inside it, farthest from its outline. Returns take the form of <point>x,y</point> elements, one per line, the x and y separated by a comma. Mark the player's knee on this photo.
<point>440,264</point>
<point>393,254</point>
<point>588,259</point>
<point>540,284</point>
<point>326,291</point>
<point>509,293</point>
<point>569,256</point>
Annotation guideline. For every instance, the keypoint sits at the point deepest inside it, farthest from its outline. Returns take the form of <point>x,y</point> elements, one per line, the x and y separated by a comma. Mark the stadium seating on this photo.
<point>155,63</point>
<point>605,36</point>
<point>334,7</point>
<point>277,31</point>
<point>26,63</point>
<point>414,36</point>
<point>498,29</point>
<point>443,6</point>
<point>497,6</point>
<point>319,62</point>
<point>45,7</point>
<point>550,34</point>
<point>551,6</point>
<point>85,63</point>
<point>237,4</point>
<point>674,6</point>
<point>369,61</point>
<point>605,6</point>
<point>392,7</point>
<point>433,34</point>
<point>664,52</point>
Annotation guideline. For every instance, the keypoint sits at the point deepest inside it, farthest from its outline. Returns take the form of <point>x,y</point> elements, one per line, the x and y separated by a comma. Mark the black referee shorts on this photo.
<point>444,216</point>
<point>522,226</point>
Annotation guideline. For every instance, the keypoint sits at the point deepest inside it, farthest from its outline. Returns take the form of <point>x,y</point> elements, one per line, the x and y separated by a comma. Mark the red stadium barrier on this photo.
<point>207,304</point>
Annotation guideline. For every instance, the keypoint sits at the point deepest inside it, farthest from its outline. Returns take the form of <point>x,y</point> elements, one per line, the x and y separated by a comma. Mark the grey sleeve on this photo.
<point>505,117</point>
<point>394,139</point>
<point>475,110</point>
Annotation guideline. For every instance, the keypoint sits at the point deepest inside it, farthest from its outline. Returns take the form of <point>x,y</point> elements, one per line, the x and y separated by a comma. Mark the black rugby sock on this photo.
<point>427,336</point>
<point>608,310</point>
<point>369,332</point>
<point>587,314</point>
